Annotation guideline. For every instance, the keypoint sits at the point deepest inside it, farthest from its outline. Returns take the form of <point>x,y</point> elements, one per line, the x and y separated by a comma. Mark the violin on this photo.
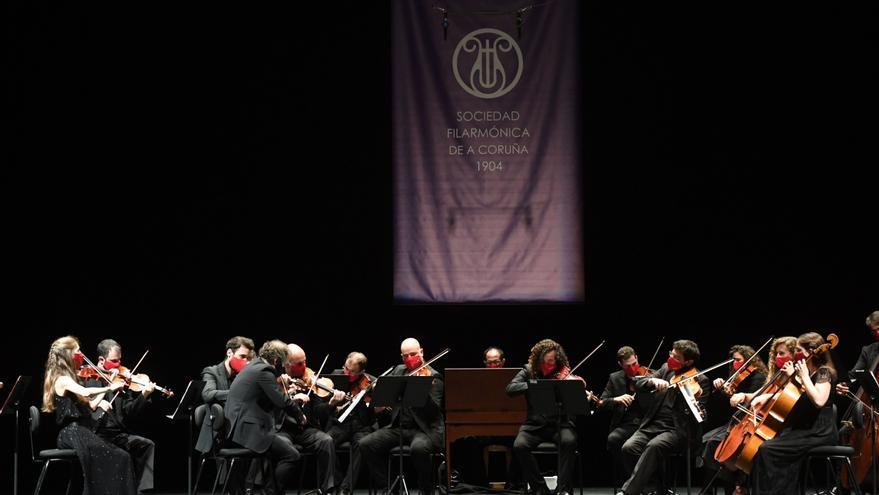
<point>323,387</point>
<point>691,391</point>
<point>737,379</point>
<point>135,382</point>
<point>566,374</point>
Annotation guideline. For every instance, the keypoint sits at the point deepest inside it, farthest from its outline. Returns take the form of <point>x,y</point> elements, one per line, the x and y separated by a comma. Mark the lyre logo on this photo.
<point>485,55</point>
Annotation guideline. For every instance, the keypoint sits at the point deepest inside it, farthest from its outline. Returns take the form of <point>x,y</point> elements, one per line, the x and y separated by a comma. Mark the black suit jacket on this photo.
<point>430,417</point>
<point>216,389</point>
<point>128,404</point>
<point>533,420</point>
<point>617,385</point>
<point>868,356</point>
<point>254,398</point>
<point>684,421</point>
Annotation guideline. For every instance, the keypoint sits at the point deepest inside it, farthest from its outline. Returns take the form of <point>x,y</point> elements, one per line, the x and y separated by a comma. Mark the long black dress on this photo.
<point>778,461</point>
<point>106,469</point>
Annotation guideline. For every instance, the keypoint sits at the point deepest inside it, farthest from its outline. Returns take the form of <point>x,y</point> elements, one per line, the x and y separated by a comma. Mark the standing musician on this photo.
<point>757,374</point>
<point>106,469</point>
<point>626,407</point>
<point>547,361</point>
<point>869,352</point>
<point>810,424</point>
<point>112,426</point>
<point>493,357</point>
<point>359,422</point>
<point>239,352</point>
<point>309,434</point>
<point>669,423</point>
<point>421,427</point>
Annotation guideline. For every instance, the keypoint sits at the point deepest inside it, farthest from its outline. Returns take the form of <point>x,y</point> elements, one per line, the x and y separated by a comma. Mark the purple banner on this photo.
<point>486,151</point>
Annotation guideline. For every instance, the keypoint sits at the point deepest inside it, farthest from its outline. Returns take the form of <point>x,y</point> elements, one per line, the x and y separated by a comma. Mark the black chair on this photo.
<point>49,456</point>
<point>225,458</point>
<point>550,448</point>
<point>407,452</point>
<point>830,454</point>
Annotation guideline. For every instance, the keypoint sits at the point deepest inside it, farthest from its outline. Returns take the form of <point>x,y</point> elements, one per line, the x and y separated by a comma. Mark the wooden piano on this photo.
<point>477,405</point>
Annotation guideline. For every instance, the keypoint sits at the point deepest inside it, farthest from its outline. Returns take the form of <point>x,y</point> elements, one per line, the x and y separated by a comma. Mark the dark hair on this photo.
<point>747,351</point>
<point>272,350</point>
<point>540,349</point>
<point>236,342</point>
<point>624,353</point>
<point>688,348</point>
<point>107,345</point>
<point>498,349</point>
<point>812,341</point>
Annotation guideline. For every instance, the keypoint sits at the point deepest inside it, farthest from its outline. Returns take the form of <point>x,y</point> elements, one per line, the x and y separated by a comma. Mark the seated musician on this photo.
<point>359,422</point>
<point>422,428</point>
<point>113,427</point>
<point>869,353</point>
<point>757,376</point>
<point>619,399</point>
<point>239,352</point>
<point>669,423</point>
<point>547,361</point>
<point>493,357</point>
<point>811,423</point>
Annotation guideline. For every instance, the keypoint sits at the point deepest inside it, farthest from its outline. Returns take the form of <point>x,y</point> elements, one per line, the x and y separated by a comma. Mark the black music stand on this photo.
<point>399,392</point>
<point>868,383</point>
<point>10,406</point>
<point>190,399</point>
<point>561,398</point>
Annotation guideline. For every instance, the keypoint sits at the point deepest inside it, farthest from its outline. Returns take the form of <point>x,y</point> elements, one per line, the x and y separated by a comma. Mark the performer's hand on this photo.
<point>106,406</point>
<point>758,401</point>
<point>803,371</point>
<point>789,368</point>
<point>659,384</point>
<point>149,389</point>
<point>718,383</point>
<point>624,399</point>
<point>338,396</point>
<point>301,398</point>
<point>842,388</point>
<point>116,386</point>
<point>736,399</point>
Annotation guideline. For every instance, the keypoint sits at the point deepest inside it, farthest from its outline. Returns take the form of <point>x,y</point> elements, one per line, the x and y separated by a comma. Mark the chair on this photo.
<point>407,452</point>
<point>49,456</point>
<point>830,454</point>
<point>224,457</point>
<point>550,448</point>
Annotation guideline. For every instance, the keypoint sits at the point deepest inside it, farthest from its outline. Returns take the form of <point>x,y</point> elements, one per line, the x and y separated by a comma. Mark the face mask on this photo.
<point>799,356</point>
<point>351,378</point>
<point>737,365</point>
<point>876,336</point>
<point>674,364</point>
<point>297,370</point>
<point>412,362</point>
<point>110,365</point>
<point>781,361</point>
<point>237,364</point>
<point>78,360</point>
<point>632,370</point>
<point>494,365</point>
<point>546,368</point>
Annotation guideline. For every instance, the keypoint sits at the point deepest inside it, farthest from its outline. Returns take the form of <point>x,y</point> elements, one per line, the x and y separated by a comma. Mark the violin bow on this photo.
<point>133,370</point>
<point>586,358</point>
<point>317,375</point>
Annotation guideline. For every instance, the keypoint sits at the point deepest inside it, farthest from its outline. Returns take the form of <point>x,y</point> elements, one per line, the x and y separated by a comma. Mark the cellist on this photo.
<point>811,422</point>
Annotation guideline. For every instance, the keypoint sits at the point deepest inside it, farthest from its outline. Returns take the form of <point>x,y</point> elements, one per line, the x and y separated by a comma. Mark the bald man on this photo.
<point>422,428</point>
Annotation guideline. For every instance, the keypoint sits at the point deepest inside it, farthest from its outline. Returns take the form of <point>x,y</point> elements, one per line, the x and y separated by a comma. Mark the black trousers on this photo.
<point>349,432</point>
<point>143,456</point>
<point>375,447</point>
<point>644,452</point>
<point>321,444</point>
<point>615,440</point>
<point>527,440</point>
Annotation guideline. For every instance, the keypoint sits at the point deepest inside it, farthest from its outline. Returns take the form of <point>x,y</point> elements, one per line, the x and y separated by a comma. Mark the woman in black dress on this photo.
<point>811,423</point>
<point>106,469</point>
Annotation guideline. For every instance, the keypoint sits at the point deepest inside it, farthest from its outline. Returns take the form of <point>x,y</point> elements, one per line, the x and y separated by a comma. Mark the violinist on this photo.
<point>421,427</point>
<point>359,423</point>
<point>239,352</point>
<point>114,423</point>
<point>625,406</point>
<point>309,434</point>
<point>493,357</point>
<point>106,468</point>
<point>780,353</point>
<point>811,423</point>
<point>668,424</point>
<point>869,353</point>
<point>546,361</point>
<point>745,380</point>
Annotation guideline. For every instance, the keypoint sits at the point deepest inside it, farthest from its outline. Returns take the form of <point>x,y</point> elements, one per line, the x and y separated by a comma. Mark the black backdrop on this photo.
<point>179,174</point>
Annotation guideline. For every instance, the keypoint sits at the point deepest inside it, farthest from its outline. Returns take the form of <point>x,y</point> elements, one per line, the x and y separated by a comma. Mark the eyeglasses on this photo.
<point>493,362</point>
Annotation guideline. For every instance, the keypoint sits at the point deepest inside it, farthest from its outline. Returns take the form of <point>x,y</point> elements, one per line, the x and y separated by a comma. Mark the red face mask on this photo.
<point>412,362</point>
<point>781,361</point>
<point>78,359</point>
<point>351,378</point>
<point>546,369</point>
<point>298,369</point>
<point>493,365</point>
<point>632,370</point>
<point>737,365</point>
<point>110,365</point>
<point>674,364</point>
<point>237,364</point>
<point>799,356</point>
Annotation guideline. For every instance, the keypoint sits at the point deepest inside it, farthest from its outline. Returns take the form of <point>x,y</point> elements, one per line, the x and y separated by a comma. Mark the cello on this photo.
<point>860,432</point>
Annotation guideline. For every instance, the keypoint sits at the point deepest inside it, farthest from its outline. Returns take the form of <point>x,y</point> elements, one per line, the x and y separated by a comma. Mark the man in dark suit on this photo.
<point>669,423</point>
<point>547,359</point>
<point>254,400</point>
<point>869,353</point>
<point>422,428</point>
<point>239,352</point>
<point>625,406</point>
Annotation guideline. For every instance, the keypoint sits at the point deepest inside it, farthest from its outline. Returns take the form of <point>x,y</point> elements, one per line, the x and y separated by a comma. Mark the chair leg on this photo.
<point>70,473</point>
<point>198,476</point>
<point>851,476</point>
<point>42,477</point>
<point>229,473</point>
<point>220,462</point>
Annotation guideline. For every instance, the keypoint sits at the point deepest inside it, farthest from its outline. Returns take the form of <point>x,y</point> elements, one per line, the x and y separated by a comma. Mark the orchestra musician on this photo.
<point>546,361</point>
<point>668,424</point>
<point>868,355</point>
<point>106,468</point>
<point>493,357</point>
<point>239,352</point>
<point>421,427</point>
<point>113,427</point>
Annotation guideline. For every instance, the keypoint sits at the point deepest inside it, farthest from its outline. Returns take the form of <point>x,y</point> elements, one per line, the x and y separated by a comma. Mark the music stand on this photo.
<point>13,400</point>
<point>399,392</point>
<point>868,383</point>
<point>190,399</point>
<point>561,398</point>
